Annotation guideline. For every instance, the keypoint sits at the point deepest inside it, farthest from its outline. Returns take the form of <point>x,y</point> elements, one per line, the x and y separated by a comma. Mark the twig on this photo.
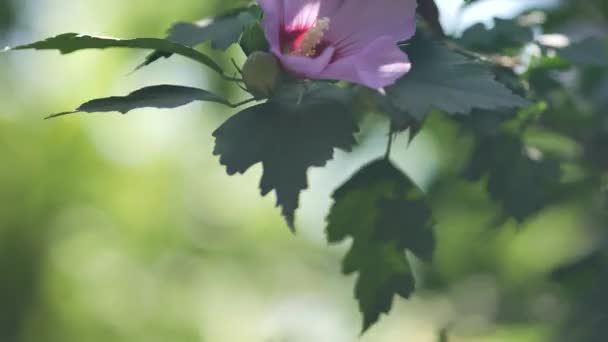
<point>236,66</point>
<point>242,103</point>
<point>389,145</point>
<point>232,79</point>
<point>499,60</point>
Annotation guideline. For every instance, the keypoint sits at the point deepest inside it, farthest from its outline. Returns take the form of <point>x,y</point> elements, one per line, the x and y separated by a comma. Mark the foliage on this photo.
<point>287,138</point>
<point>532,109</point>
<point>385,214</point>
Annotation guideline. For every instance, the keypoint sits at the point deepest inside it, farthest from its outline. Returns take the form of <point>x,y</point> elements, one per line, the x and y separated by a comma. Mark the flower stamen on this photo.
<point>312,38</point>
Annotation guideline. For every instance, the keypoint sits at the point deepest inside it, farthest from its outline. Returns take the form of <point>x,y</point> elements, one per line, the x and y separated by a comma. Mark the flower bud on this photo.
<point>262,74</point>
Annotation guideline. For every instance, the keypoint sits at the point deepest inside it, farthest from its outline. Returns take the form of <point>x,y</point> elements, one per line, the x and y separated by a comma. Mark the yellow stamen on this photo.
<point>313,38</point>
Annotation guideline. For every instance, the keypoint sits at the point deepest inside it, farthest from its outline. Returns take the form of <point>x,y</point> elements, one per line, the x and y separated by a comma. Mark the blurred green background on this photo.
<point>126,228</point>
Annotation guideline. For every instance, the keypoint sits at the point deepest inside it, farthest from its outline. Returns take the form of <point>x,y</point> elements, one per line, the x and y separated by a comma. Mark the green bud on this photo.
<point>262,74</point>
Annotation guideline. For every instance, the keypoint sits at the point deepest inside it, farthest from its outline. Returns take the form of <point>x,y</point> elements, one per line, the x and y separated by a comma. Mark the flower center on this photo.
<point>305,43</point>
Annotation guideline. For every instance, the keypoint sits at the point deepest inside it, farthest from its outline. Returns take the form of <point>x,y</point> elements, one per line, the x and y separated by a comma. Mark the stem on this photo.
<point>236,66</point>
<point>232,79</point>
<point>498,60</point>
<point>238,104</point>
<point>389,145</point>
<point>303,91</point>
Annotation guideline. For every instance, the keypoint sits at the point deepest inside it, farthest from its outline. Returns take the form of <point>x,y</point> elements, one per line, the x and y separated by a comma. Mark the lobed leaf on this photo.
<point>504,34</point>
<point>71,42</point>
<point>385,215</point>
<point>444,80</point>
<point>221,31</point>
<point>521,184</point>
<point>287,137</point>
<point>160,96</point>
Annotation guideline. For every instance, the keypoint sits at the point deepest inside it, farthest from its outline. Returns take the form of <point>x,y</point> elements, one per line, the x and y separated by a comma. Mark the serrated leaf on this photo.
<point>71,42</point>
<point>504,34</point>
<point>221,31</point>
<point>385,214</point>
<point>254,40</point>
<point>160,96</point>
<point>445,80</point>
<point>287,137</point>
<point>522,185</point>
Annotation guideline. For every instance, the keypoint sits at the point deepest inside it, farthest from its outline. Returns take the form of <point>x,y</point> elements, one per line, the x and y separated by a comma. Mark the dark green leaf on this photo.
<point>385,214</point>
<point>161,96</point>
<point>254,40</point>
<point>72,42</point>
<point>287,137</point>
<point>503,35</point>
<point>486,123</point>
<point>521,184</point>
<point>445,80</point>
<point>489,122</point>
<point>222,32</point>
<point>541,74</point>
<point>8,11</point>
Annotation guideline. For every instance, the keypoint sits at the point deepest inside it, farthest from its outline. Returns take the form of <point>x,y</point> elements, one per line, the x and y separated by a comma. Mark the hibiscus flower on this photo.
<point>349,40</point>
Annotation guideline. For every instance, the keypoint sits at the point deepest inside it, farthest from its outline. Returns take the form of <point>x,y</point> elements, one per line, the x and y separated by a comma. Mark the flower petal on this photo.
<point>306,66</point>
<point>273,17</point>
<point>357,23</point>
<point>300,14</point>
<point>380,64</point>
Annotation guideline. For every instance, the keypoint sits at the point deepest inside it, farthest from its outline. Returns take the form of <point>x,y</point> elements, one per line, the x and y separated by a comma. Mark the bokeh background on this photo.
<point>126,228</point>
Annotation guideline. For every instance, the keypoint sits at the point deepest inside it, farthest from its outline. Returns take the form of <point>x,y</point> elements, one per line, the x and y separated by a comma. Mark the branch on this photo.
<point>496,59</point>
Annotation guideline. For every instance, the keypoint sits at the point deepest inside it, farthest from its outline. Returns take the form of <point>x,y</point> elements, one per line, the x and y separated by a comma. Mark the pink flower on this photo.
<point>350,40</point>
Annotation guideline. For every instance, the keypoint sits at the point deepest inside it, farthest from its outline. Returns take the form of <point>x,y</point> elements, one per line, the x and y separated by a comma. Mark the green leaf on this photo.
<point>287,137</point>
<point>221,31</point>
<point>254,40</point>
<point>541,75</point>
<point>445,80</point>
<point>160,96</point>
<point>521,184</point>
<point>8,15</point>
<point>489,122</point>
<point>385,214</point>
<point>503,35</point>
<point>72,42</point>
